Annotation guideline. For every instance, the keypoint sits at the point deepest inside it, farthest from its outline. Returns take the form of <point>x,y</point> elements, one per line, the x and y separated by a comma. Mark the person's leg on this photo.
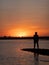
<point>34,45</point>
<point>37,45</point>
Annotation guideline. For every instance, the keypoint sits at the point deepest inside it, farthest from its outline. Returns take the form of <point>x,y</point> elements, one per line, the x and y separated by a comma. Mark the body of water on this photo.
<point>11,53</point>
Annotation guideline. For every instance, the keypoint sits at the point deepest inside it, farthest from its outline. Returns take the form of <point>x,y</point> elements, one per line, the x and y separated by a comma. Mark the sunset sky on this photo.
<point>24,17</point>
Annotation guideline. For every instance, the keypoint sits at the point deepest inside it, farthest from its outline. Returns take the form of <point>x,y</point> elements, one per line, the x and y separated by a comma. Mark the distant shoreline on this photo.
<point>11,38</point>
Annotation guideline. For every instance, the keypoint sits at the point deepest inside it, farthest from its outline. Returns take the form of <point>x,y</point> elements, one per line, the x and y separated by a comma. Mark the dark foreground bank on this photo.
<point>39,51</point>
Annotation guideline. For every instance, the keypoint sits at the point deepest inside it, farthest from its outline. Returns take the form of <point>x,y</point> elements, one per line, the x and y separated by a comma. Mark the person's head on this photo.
<point>35,33</point>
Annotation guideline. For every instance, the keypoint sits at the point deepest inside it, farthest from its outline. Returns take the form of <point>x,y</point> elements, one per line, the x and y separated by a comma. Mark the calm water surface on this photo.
<point>11,53</point>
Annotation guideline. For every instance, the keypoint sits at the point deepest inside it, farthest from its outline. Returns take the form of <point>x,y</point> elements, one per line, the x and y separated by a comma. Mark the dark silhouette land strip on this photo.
<point>39,51</point>
<point>11,38</point>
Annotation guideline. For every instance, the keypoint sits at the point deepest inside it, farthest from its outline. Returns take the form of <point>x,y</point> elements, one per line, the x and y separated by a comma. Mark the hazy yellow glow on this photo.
<point>24,17</point>
<point>18,33</point>
<point>21,34</point>
<point>24,31</point>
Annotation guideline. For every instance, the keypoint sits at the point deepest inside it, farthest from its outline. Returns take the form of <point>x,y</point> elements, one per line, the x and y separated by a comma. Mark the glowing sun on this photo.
<point>18,33</point>
<point>21,34</point>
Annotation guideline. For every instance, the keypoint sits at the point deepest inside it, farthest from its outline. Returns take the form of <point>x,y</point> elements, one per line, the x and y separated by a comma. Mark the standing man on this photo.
<point>36,40</point>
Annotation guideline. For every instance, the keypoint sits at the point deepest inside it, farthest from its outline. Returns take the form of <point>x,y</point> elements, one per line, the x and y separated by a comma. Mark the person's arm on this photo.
<point>38,38</point>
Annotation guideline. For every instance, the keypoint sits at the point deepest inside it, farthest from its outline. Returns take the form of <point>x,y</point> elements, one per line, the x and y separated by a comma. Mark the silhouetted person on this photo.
<point>36,40</point>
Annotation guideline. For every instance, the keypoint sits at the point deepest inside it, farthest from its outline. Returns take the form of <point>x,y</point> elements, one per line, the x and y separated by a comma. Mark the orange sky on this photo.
<point>23,18</point>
